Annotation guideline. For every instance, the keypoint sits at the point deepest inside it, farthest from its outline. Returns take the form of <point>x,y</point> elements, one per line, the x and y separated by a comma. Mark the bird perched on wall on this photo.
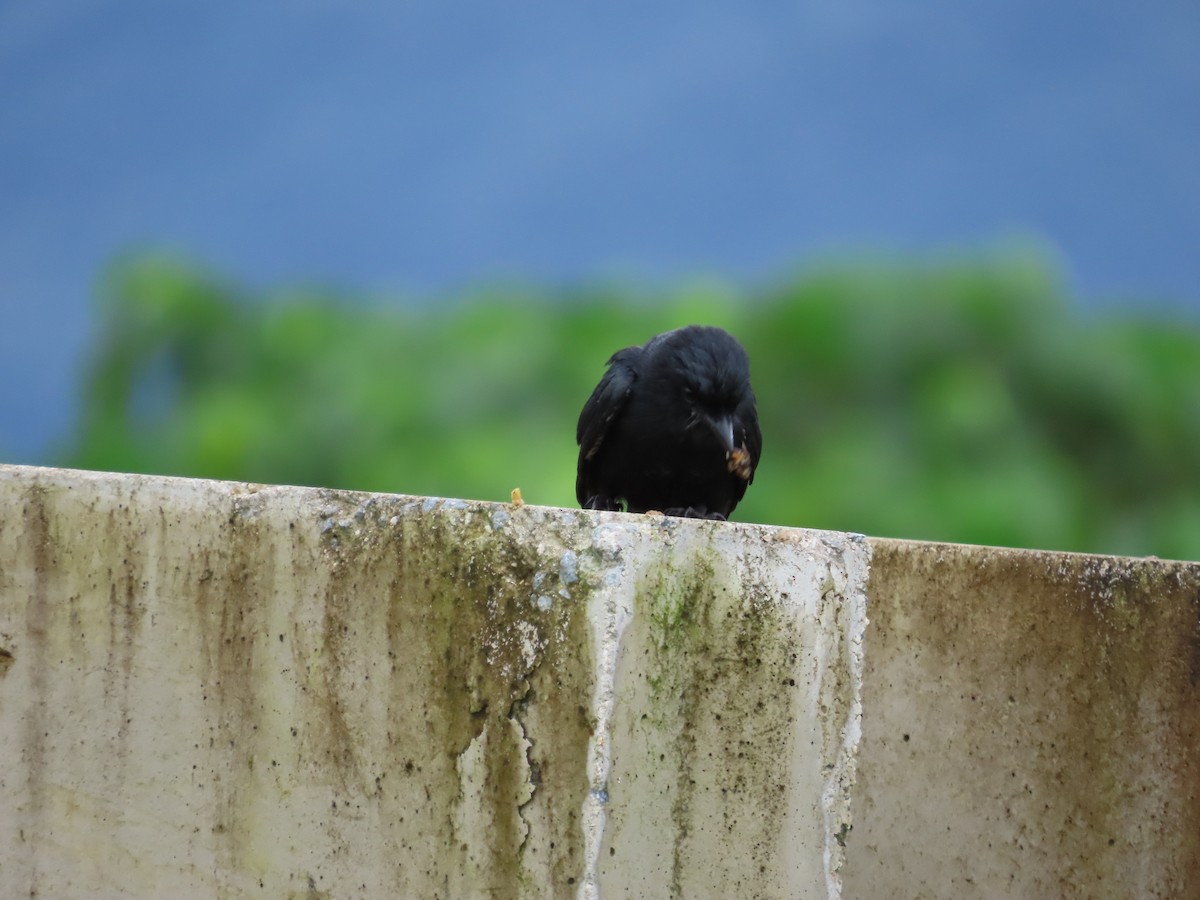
<point>671,427</point>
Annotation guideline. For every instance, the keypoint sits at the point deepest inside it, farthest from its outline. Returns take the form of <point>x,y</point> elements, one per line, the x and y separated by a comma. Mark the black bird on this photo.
<point>671,427</point>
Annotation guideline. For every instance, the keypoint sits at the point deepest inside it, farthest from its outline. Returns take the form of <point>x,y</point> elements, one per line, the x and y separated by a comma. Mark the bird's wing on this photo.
<point>607,401</point>
<point>602,408</point>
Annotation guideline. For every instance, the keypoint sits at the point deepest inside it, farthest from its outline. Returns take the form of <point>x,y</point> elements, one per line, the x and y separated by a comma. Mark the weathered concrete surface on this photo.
<point>1031,726</point>
<point>212,689</point>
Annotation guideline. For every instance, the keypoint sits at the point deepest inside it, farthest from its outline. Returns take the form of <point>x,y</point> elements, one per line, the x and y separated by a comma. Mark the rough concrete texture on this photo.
<point>1031,726</point>
<point>214,689</point>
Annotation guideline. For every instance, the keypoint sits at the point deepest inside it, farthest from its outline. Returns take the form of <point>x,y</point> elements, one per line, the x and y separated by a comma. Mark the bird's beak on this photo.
<point>737,459</point>
<point>723,427</point>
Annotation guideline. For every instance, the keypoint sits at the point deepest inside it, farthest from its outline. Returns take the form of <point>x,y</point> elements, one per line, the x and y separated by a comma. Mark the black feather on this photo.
<point>672,426</point>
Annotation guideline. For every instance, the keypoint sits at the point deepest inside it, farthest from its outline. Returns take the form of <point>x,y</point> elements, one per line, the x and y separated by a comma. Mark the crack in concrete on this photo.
<point>529,784</point>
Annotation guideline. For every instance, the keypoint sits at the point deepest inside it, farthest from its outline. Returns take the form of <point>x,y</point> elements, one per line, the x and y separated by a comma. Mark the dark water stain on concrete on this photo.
<point>1043,703</point>
<point>39,546</point>
<point>485,688</point>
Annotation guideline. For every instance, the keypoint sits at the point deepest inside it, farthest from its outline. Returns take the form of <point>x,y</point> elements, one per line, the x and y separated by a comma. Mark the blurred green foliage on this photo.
<point>965,403</point>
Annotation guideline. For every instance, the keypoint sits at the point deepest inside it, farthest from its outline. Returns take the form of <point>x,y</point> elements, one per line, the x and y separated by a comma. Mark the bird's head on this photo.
<point>715,387</point>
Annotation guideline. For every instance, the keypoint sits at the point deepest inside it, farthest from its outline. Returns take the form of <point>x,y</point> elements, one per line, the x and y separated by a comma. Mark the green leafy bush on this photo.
<point>969,403</point>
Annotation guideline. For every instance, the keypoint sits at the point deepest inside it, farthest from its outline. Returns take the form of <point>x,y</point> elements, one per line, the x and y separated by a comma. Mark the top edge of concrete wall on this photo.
<point>49,472</point>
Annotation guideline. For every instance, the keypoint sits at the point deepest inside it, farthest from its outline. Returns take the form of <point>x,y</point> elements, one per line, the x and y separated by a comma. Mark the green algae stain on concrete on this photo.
<point>489,675</point>
<point>714,666</point>
<point>386,696</point>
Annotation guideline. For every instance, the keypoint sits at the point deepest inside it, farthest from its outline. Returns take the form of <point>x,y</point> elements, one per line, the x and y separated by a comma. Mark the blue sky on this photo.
<point>419,147</point>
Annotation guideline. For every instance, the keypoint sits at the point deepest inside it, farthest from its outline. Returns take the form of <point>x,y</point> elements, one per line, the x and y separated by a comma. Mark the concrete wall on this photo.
<point>213,689</point>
